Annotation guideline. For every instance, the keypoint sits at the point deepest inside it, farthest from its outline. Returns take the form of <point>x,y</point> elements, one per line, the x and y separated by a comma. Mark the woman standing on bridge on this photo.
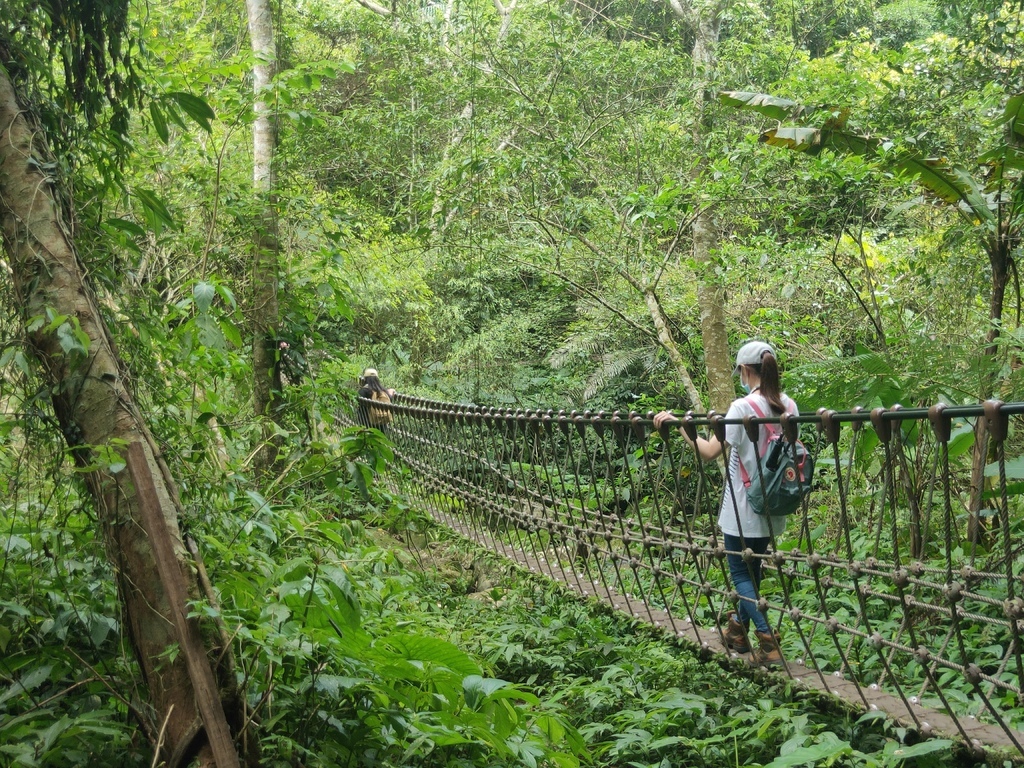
<point>371,389</point>
<point>742,528</point>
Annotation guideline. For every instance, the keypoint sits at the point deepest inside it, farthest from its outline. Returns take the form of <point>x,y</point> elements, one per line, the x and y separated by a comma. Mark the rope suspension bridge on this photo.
<point>879,597</point>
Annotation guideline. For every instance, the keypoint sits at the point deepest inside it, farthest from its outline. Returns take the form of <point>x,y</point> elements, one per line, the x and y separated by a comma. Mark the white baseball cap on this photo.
<point>751,354</point>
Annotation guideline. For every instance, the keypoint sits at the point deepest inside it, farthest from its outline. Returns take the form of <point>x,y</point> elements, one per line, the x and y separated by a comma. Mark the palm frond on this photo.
<point>611,365</point>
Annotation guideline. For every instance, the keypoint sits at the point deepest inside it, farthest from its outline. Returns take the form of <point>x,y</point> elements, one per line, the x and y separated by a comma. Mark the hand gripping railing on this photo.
<point>877,592</point>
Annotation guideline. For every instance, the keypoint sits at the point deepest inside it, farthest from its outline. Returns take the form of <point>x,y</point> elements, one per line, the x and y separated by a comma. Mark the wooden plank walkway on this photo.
<point>907,712</point>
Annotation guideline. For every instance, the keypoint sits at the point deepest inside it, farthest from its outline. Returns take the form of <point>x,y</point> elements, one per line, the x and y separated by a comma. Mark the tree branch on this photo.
<point>505,11</point>
<point>589,292</point>
<point>876,316</point>
<point>684,226</point>
<point>683,11</point>
<point>380,10</point>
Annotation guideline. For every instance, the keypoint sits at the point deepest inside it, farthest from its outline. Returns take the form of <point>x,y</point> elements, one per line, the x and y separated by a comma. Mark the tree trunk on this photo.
<point>95,409</point>
<point>711,299</point>
<point>999,262</point>
<point>668,343</point>
<point>706,21</point>
<point>266,391</point>
<point>710,293</point>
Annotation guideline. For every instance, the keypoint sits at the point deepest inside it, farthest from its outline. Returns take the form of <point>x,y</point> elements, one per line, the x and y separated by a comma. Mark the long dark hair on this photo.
<point>373,384</point>
<point>770,387</point>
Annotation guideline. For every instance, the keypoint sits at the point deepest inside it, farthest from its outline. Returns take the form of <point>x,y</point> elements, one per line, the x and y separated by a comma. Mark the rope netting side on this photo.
<point>875,590</point>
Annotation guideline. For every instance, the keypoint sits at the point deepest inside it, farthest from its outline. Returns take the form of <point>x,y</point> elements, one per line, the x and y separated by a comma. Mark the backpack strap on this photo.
<point>769,428</point>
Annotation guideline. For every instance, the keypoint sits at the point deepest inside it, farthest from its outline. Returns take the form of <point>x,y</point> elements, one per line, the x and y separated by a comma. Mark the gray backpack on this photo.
<point>784,474</point>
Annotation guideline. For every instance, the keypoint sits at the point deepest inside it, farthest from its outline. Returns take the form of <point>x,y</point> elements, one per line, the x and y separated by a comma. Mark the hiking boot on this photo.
<point>735,634</point>
<point>767,654</point>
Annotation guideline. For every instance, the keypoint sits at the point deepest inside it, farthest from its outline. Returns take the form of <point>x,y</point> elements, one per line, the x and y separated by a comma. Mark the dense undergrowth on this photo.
<point>354,651</point>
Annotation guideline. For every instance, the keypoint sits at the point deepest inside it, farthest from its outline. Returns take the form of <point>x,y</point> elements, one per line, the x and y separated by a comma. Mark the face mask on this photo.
<point>743,384</point>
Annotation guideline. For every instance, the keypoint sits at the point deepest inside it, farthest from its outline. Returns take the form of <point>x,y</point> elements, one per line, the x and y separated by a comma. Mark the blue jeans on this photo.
<point>746,577</point>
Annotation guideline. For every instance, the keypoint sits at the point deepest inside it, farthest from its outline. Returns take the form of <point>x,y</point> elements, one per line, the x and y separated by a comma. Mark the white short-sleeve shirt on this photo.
<point>738,518</point>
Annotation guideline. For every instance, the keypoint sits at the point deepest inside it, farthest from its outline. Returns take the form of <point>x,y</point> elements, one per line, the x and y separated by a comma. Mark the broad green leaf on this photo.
<point>345,598</point>
<point>434,651</point>
<point>203,294</point>
<point>765,104</point>
<point>194,107</point>
<point>1001,159</point>
<point>798,139</point>
<point>159,122</point>
<point>74,344</point>
<point>343,308</point>
<point>478,689</point>
<point>99,628</point>
<point>1014,469</point>
<point>1014,113</point>
<point>334,685</point>
<point>56,321</point>
<point>228,295</point>
<point>811,755</point>
<point>22,363</point>
<point>259,503</point>
<point>295,569</point>
<point>29,682</point>
<point>974,196</point>
<point>960,441</point>
<point>129,227</point>
<point>934,175</point>
<point>210,334</point>
<point>155,206</point>
<point>12,544</point>
<point>665,741</point>
<point>951,184</point>
<point>173,115</point>
<point>855,144</point>
<point>504,719</point>
<point>231,333</point>
<point>551,727</point>
<point>677,700</point>
<point>903,753</point>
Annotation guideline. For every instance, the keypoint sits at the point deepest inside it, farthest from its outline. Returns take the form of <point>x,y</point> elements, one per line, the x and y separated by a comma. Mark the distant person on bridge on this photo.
<point>742,528</point>
<point>370,388</point>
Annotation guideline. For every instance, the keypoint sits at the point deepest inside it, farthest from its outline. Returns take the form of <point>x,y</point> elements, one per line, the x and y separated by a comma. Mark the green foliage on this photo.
<point>82,55</point>
<point>905,21</point>
<point>320,618</point>
<point>609,677</point>
<point>463,209</point>
<point>59,622</point>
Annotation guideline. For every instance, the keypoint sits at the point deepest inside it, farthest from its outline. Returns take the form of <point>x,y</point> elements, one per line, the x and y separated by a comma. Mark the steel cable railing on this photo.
<point>877,594</point>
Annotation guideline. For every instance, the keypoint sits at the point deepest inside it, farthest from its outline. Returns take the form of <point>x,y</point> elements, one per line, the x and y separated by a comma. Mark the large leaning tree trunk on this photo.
<point>137,508</point>
<point>266,312</point>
